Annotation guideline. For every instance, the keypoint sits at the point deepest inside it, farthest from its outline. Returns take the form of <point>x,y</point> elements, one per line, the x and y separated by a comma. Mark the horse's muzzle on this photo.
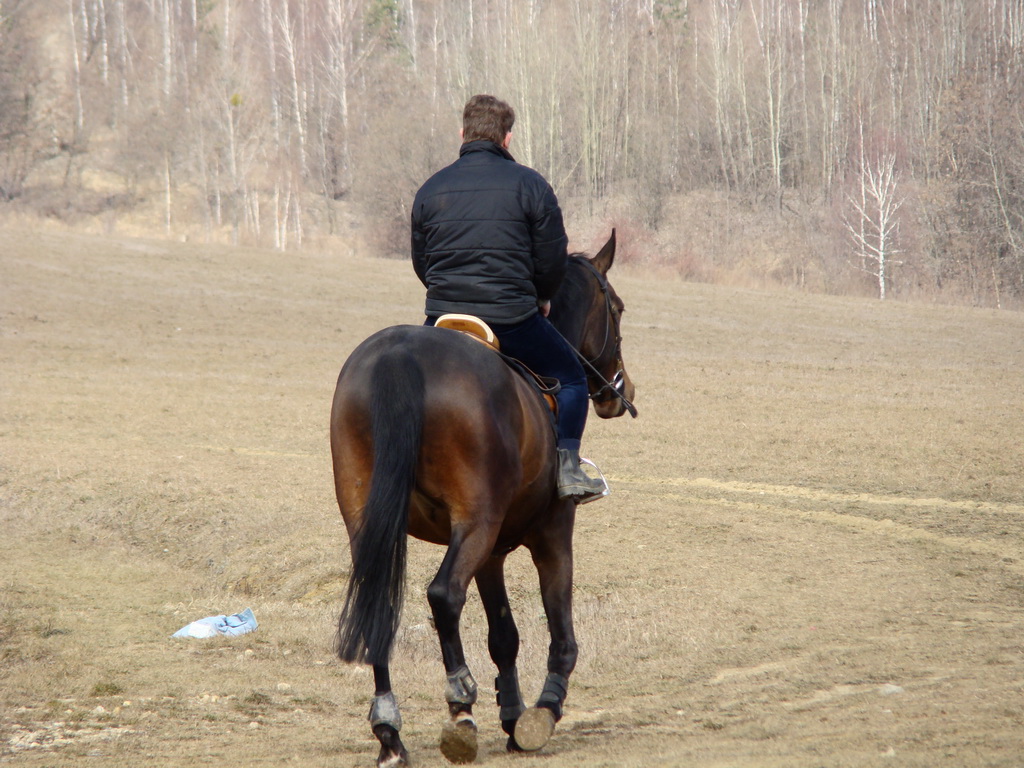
<point>616,397</point>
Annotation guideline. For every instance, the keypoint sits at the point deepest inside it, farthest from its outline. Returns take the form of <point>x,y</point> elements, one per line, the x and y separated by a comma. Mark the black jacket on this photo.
<point>487,237</point>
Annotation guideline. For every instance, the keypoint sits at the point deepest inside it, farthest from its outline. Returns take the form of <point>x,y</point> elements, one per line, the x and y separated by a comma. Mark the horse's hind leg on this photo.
<point>447,596</point>
<point>552,554</point>
<point>503,644</point>
<point>386,721</point>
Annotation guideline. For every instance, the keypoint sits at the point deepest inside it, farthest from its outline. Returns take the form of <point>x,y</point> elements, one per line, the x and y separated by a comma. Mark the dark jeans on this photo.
<point>537,344</point>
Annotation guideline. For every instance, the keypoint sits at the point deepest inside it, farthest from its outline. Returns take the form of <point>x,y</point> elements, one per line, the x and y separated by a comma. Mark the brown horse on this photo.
<point>434,435</point>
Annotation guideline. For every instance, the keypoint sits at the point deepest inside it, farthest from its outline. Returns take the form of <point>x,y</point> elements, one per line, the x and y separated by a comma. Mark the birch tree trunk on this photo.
<point>874,227</point>
<point>77,72</point>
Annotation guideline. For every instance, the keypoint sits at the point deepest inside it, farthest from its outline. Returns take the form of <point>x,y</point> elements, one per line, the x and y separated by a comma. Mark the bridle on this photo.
<point>612,329</point>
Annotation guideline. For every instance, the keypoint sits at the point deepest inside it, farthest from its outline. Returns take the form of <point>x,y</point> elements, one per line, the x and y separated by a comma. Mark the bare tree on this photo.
<point>833,79</point>
<point>772,24</point>
<point>874,223</point>
<point>76,60</point>
<point>18,84</point>
<point>720,36</point>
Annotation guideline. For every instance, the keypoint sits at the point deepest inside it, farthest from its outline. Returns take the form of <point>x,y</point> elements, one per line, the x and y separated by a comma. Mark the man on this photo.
<point>488,240</point>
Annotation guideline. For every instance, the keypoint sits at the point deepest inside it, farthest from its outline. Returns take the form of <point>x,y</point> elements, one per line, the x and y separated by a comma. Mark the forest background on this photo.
<point>862,147</point>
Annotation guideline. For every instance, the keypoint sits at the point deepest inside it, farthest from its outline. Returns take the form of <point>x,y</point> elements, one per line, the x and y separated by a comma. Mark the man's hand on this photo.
<point>544,307</point>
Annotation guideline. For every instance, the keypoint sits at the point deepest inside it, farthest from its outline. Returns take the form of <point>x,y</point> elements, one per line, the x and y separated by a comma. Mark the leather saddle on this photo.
<point>471,325</point>
<point>476,328</point>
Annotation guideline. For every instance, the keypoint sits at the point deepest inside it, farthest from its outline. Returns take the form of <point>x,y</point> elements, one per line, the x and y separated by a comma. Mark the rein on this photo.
<point>615,387</point>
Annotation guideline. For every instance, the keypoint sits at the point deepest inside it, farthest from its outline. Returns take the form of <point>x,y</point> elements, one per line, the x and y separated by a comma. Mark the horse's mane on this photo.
<point>568,308</point>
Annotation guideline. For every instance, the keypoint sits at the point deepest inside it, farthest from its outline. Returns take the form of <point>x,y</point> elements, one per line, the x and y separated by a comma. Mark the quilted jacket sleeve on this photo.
<point>550,244</point>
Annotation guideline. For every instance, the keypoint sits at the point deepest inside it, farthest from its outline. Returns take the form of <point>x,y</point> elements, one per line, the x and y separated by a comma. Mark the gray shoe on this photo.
<point>574,482</point>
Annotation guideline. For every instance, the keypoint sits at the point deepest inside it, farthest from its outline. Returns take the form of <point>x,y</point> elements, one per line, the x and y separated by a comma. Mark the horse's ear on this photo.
<point>605,257</point>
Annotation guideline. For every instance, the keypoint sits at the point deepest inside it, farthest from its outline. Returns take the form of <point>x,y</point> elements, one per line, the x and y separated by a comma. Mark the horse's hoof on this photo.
<point>512,747</point>
<point>534,728</point>
<point>458,740</point>
<point>392,750</point>
<point>393,761</point>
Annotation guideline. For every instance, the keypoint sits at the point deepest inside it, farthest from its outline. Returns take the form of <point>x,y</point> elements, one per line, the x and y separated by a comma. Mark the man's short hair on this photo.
<point>486,118</point>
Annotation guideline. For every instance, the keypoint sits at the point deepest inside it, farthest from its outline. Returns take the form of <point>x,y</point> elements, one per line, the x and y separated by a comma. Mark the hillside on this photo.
<point>857,149</point>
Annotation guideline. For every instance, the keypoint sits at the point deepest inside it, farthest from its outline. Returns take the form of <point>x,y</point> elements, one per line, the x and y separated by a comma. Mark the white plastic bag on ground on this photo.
<point>213,626</point>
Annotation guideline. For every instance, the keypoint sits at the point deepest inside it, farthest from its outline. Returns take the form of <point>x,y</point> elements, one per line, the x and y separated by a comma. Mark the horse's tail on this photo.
<point>373,606</point>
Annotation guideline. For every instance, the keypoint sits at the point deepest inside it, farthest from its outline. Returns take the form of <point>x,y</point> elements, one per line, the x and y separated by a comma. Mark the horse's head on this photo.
<point>588,312</point>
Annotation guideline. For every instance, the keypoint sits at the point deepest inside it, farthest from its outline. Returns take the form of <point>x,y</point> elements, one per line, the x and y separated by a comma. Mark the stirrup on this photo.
<point>593,496</point>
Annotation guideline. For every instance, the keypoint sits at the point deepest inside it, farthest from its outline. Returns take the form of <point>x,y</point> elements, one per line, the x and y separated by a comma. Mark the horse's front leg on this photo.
<point>447,597</point>
<point>503,644</point>
<point>386,721</point>
<point>552,554</point>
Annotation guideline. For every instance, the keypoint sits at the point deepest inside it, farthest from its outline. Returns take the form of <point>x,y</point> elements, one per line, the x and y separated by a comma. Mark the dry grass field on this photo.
<point>813,554</point>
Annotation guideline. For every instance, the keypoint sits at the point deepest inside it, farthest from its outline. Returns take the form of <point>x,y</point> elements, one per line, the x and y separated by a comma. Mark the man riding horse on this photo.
<point>488,240</point>
<point>436,437</point>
